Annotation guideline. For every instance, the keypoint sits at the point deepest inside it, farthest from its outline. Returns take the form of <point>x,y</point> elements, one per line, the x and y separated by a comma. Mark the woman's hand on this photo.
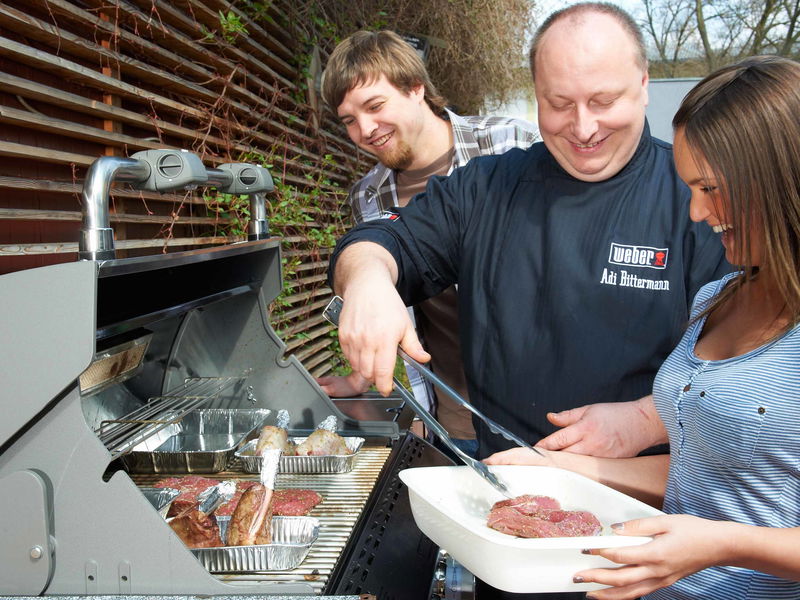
<point>682,545</point>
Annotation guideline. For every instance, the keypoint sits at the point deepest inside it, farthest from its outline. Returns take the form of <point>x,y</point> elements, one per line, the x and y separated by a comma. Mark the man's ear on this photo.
<point>645,82</point>
<point>418,92</point>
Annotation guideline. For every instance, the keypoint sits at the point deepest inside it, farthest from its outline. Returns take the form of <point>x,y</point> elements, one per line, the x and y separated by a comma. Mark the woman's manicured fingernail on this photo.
<point>618,526</point>
<point>577,579</point>
<point>586,551</point>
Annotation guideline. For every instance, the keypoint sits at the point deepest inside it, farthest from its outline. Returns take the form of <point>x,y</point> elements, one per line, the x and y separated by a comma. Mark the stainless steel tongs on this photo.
<point>332,312</point>
<point>454,395</point>
<point>436,427</point>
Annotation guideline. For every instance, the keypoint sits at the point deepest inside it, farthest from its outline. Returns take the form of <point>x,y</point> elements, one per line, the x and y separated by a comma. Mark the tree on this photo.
<point>479,44</point>
<point>696,36</point>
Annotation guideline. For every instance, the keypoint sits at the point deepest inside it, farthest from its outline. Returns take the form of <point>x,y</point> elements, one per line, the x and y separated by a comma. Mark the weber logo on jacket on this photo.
<point>635,257</point>
<point>638,256</point>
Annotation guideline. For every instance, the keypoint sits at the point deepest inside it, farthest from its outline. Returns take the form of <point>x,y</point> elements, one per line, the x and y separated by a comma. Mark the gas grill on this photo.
<point>103,353</point>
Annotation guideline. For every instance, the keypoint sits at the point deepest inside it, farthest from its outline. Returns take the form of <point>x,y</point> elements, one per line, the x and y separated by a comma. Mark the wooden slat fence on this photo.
<point>81,79</point>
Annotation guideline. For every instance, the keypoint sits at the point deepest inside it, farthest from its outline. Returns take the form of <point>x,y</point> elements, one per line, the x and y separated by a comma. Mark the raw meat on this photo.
<point>286,503</point>
<point>189,487</point>
<point>508,520</point>
<point>196,529</point>
<point>251,520</point>
<point>294,503</point>
<point>541,516</point>
<point>323,443</point>
<point>529,505</point>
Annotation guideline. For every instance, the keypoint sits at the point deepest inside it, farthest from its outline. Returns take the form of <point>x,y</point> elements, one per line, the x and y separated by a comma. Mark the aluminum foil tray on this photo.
<point>291,540</point>
<point>303,464</point>
<point>160,498</point>
<point>201,442</point>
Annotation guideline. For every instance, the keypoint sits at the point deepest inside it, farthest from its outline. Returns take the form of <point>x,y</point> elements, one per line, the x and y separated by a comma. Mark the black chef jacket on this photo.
<point>569,292</point>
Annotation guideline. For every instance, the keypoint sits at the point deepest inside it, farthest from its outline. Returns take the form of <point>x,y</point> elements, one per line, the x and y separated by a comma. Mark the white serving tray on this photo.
<point>451,505</point>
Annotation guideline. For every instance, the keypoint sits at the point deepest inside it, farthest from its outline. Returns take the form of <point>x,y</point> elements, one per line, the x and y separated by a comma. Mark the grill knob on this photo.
<point>170,165</point>
<point>248,176</point>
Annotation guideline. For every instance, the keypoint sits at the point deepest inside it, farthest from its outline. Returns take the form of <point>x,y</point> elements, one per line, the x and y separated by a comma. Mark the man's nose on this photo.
<point>366,126</point>
<point>584,125</point>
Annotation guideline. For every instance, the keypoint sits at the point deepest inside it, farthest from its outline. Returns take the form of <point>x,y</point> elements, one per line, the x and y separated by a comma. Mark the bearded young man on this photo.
<point>380,90</point>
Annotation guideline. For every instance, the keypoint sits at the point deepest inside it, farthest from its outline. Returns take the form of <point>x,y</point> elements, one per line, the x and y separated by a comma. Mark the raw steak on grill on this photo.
<point>541,516</point>
<point>294,503</point>
<point>285,503</point>
<point>189,487</point>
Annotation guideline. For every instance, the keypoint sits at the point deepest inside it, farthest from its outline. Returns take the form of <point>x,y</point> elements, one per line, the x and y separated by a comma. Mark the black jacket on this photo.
<point>569,292</point>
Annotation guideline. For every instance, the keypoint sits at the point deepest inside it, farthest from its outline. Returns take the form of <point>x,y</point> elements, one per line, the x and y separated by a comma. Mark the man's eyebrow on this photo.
<point>609,92</point>
<point>369,100</point>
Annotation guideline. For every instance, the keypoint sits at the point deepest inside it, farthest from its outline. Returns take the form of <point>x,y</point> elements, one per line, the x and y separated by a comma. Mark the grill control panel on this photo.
<point>171,170</point>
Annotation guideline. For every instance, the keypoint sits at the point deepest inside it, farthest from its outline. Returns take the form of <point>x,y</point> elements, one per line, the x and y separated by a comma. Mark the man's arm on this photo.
<point>374,319</point>
<point>608,429</point>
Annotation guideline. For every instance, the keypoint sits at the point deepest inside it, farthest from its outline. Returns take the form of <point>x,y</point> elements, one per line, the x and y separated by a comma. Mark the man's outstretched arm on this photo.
<point>374,319</point>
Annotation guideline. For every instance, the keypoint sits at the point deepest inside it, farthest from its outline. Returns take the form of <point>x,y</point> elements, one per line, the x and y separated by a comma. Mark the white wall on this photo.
<point>665,98</point>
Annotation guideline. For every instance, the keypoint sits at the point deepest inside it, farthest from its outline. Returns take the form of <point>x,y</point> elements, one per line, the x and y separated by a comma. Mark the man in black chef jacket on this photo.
<point>576,259</point>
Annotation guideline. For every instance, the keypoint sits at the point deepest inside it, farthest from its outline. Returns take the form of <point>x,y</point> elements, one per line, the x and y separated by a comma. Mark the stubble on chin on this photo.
<point>400,159</point>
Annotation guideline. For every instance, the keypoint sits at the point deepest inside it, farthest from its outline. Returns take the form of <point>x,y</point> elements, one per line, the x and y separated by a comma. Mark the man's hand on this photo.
<point>374,319</point>
<point>344,386</point>
<point>609,429</point>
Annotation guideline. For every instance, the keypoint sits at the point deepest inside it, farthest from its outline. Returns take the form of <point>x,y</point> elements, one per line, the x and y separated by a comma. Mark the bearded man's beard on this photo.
<point>399,159</point>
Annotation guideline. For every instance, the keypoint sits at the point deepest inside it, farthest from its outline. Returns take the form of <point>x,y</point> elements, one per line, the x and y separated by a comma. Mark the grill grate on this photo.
<point>344,497</point>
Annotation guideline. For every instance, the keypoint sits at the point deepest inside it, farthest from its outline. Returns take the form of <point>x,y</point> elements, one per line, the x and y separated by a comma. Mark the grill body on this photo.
<point>75,522</point>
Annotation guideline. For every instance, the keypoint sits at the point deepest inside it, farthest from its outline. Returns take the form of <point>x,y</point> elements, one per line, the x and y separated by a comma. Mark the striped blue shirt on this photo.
<point>734,432</point>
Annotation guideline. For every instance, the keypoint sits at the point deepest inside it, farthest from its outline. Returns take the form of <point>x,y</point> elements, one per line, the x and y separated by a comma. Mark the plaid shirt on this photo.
<point>376,192</point>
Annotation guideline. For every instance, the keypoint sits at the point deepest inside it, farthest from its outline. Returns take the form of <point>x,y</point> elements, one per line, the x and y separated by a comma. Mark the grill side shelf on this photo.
<point>386,540</point>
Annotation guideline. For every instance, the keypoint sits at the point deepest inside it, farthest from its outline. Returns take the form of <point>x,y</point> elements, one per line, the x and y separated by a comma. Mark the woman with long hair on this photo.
<point>729,394</point>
